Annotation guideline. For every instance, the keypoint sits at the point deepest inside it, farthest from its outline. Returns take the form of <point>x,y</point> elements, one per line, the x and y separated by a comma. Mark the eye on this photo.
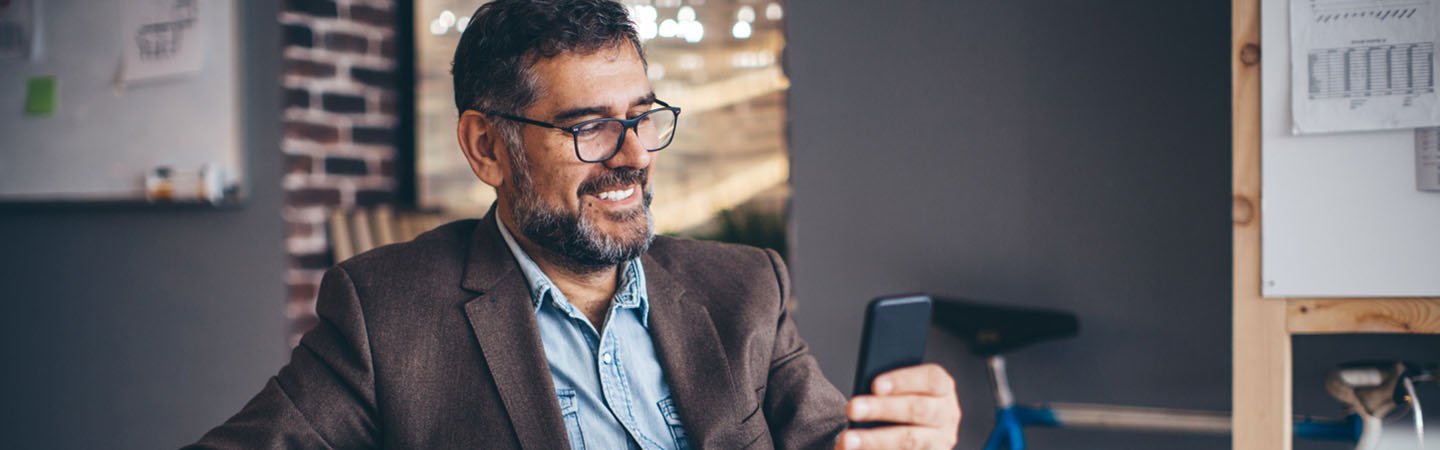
<point>589,128</point>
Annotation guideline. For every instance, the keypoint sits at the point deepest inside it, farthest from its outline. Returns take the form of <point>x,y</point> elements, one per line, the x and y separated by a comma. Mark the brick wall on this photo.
<point>340,129</point>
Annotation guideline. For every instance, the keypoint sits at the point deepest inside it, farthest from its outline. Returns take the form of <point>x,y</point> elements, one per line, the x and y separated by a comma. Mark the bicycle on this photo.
<point>1377,393</point>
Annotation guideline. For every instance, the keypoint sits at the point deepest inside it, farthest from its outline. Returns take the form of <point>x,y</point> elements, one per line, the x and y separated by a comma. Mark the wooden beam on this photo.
<point>1363,315</point>
<point>1260,375</point>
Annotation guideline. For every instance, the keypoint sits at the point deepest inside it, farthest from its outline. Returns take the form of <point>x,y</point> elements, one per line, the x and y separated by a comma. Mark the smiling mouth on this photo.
<point>616,195</point>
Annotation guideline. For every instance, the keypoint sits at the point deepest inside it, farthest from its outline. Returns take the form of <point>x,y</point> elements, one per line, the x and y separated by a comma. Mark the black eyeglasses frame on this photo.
<point>574,130</point>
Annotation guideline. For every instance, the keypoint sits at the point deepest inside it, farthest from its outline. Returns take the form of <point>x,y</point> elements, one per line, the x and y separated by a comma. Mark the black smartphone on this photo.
<point>894,337</point>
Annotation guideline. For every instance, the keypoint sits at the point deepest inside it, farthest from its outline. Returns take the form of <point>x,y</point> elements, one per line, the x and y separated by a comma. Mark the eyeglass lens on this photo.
<point>600,139</point>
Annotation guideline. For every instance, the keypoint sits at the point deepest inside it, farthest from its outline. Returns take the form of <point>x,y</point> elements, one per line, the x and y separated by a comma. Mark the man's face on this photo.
<point>592,215</point>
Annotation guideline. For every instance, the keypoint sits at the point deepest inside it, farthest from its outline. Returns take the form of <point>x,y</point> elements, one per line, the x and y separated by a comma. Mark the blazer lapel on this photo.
<point>504,324</point>
<point>694,360</point>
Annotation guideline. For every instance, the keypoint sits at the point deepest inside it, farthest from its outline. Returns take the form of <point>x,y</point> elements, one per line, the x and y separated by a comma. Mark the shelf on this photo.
<point>1363,315</point>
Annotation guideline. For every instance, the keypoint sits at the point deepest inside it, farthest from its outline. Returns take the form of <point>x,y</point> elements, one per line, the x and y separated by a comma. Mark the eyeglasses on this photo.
<point>598,140</point>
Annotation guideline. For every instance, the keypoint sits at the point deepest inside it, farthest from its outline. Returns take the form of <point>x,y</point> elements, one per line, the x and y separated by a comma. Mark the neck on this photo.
<point>588,288</point>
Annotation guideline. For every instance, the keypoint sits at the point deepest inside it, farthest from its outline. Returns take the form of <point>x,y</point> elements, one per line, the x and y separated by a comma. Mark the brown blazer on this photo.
<point>432,344</point>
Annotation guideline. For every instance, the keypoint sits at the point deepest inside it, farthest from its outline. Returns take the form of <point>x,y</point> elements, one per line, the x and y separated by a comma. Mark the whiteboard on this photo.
<point>1341,216</point>
<point>105,135</point>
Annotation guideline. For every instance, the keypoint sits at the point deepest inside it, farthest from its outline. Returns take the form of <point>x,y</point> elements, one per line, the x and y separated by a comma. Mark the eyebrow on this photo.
<point>583,111</point>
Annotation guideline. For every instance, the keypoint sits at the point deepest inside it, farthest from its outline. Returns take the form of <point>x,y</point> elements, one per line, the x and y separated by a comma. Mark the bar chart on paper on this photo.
<point>1363,64</point>
<point>1365,71</point>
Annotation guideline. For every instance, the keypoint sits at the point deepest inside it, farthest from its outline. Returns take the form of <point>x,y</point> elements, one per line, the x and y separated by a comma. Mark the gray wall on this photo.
<point>1059,154</point>
<point>137,328</point>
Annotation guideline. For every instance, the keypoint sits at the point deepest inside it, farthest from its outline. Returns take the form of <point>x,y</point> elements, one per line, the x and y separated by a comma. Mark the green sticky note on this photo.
<point>40,96</point>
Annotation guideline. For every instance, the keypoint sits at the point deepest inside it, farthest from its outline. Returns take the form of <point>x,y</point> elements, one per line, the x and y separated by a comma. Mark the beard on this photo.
<point>583,247</point>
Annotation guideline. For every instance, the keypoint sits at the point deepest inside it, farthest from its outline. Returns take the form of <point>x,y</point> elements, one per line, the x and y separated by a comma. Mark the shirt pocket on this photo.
<point>571,412</point>
<point>672,421</point>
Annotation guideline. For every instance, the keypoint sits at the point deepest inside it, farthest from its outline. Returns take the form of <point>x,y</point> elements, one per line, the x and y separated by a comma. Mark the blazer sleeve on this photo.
<point>325,397</point>
<point>803,409</point>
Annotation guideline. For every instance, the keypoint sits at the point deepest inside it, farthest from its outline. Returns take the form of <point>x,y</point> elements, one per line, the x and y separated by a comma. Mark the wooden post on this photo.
<point>1260,344</point>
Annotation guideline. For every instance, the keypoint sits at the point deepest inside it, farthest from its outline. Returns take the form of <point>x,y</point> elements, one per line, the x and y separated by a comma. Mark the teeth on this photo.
<point>616,195</point>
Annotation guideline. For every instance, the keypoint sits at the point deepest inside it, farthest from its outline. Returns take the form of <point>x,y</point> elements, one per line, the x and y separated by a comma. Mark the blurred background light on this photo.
<point>774,12</point>
<point>746,14</point>
<point>741,30</point>
<point>693,31</point>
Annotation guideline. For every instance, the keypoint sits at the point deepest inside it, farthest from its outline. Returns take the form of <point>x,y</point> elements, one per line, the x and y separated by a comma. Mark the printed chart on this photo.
<point>1363,64</point>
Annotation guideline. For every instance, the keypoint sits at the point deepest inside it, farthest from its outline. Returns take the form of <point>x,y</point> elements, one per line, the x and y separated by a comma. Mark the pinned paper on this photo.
<point>1360,65</point>
<point>17,29</point>
<point>1427,159</point>
<point>41,96</point>
<point>162,38</point>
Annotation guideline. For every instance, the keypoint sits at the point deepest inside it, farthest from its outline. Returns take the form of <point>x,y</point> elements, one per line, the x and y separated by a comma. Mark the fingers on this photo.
<point>927,379</point>
<point>905,438</point>
<point>920,398</point>
<point>924,410</point>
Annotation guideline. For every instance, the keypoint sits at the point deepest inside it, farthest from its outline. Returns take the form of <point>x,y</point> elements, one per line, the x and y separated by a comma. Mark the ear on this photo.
<point>483,148</point>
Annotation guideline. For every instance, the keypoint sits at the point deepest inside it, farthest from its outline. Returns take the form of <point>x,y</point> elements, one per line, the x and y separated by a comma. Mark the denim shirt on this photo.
<point>609,383</point>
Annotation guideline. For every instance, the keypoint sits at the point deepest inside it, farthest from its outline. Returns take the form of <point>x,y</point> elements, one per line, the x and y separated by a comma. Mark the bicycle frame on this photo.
<point>1010,418</point>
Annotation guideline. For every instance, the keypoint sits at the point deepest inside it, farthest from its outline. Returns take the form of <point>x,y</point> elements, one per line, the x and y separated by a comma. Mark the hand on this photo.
<point>919,398</point>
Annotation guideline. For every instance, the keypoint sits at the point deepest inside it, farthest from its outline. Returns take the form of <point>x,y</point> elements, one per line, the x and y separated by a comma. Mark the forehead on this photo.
<point>611,77</point>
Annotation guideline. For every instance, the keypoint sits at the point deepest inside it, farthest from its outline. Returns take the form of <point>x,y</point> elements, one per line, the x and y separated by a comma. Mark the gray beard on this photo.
<point>580,244</point>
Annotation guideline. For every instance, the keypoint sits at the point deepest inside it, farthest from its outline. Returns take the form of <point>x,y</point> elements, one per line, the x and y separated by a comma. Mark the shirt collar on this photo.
<point>630,291</point>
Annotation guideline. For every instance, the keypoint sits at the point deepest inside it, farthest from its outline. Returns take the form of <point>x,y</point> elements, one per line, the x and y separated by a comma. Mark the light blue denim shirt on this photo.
<point>611,388</point>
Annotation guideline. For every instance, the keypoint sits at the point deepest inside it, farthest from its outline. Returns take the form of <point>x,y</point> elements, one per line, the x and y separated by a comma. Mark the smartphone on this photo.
<point>894,337</point>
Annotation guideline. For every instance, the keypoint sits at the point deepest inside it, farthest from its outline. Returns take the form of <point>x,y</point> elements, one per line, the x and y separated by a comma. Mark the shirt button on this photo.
<point>605,357</point>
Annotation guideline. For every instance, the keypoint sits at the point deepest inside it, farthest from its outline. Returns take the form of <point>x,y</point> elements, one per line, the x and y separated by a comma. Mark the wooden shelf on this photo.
<point>1363,315</point>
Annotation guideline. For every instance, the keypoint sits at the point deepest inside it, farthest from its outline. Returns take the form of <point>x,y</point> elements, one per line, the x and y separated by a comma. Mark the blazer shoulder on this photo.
<point>692,256</point>
<point>724,276</point>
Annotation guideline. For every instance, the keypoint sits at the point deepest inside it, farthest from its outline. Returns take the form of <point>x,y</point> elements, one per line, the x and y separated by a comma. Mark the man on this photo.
<point>559,319</point>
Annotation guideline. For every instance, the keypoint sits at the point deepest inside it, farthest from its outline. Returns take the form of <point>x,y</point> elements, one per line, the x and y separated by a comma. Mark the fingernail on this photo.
<point>882,386</point>
<point>852,440</point>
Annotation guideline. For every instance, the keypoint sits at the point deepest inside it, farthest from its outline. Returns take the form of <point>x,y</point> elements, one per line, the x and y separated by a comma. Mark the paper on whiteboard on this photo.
<point>17,29</point>
<point>1427,159</point>
<point>162,38</point>
<point>1363,64</point>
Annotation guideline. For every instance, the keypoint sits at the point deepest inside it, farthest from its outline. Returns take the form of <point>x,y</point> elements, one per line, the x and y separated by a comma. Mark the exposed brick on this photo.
<point>380,78</point>
<point>321,8</point>
<point>346,42</point>
<point>299,229</point>
<point>371,197</point>
<point>373,135</point>
<point>297,98</point>
<point>299,35</point>
<point>345,33</point>
<point>342,103</point>
<point>345,166</point>
<point>301,325</point>
<point>312,261</point>
<point>312,132</point>
<point>372,15</point>
<point>313,196</point>
<point>300,67</point>
<point>303,292</point>
<point>387,103</point>
<point>387,48</point>
<point>298,164</point>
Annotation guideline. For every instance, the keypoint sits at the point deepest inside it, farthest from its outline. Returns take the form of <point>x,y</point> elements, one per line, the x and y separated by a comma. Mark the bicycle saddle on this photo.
<point>991,329</point>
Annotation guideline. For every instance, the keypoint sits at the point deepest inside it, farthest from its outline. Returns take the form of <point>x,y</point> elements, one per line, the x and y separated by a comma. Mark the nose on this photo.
<point>631,153</point>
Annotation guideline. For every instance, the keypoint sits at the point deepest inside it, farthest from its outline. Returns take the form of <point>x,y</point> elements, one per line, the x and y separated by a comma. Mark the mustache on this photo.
<point>614,178</point>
